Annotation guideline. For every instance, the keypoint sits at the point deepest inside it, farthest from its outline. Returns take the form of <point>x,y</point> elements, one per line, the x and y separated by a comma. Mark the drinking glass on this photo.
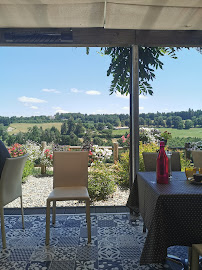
<point>169,155</point>
<point>189,171</point>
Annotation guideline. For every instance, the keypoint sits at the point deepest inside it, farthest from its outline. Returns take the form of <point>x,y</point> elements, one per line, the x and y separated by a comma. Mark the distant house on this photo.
<point>117,128</point>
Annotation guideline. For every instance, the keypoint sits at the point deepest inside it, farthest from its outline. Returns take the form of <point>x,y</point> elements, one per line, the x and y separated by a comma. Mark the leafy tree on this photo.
<point>194,121</point>
<point>148,122</point>
<point>180,125</point>
<point>177,122</point>
<point>20,138</point>
<point>109,125</point>
<point>97,141</point>
<point>34,133</point>
<point>10,140</point>
<point>100,126</point>
<point>64,128</point>
<point>119,68</point>
<point>71,126</point>
<point>161,121</point>
<point>107,133</point>
<point>188,124</point>
<point>79,130</point>
<point>141,121</point>
<point>169,122</point>
<point>200,121</point>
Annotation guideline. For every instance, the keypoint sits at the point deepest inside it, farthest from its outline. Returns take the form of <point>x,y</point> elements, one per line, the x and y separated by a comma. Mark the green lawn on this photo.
<point>120,132</point>
<point>23,127</point>
<point>183,133</point>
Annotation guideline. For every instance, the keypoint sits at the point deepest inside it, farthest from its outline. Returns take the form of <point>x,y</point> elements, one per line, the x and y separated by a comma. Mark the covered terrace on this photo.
<point>94,23</point>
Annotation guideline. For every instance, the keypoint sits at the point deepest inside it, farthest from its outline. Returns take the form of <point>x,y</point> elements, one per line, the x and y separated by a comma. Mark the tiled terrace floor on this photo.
<point>68,210</point>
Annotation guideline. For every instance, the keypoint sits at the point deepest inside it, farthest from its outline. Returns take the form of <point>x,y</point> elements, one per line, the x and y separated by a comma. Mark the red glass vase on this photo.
<point>162,166</point>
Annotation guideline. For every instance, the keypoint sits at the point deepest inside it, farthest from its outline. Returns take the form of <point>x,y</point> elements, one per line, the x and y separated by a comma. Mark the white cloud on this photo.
<point>93,92</point>
<point>74,90</point>
<point>31,100</point>
<point>141,108</point>
<point>125,108</point>
<point>34,107</point>
<point>50,91</point>
<point>59,110</point>
<point>118,94</point>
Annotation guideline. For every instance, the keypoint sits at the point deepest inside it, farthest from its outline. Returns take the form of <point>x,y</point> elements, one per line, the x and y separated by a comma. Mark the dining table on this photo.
<point>172,213</point>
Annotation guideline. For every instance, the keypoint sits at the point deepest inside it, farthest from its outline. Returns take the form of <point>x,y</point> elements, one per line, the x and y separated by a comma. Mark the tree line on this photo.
<point>71,133</point>
<point>113,119</point>
<point>178,120</point>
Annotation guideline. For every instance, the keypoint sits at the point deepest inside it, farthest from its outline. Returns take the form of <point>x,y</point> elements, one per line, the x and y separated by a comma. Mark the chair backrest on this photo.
<point>70,168</point>
<point>197,158</point>
<point>175,161</point>
<point>150,161</point>
<point>11,179</point>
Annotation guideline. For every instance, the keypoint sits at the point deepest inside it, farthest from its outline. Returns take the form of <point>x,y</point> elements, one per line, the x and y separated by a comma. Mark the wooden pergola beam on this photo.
<point>100,37</point>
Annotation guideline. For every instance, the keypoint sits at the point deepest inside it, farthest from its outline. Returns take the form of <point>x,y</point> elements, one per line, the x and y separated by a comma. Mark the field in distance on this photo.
<point>23,127</point>
<point>181,133</point>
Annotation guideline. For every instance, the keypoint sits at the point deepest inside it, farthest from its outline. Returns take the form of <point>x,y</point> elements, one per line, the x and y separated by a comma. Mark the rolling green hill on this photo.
<point>23,127</point>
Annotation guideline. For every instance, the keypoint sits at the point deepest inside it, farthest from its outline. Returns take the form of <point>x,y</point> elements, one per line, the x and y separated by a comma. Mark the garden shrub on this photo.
<point>184,162</point>
<point>28,170</point>
<point>100,182</point>
<point>123,170</point>
<point>123,164</point>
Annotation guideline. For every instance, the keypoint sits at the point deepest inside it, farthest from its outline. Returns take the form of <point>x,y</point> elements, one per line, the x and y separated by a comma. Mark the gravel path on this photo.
<point>36,190</point>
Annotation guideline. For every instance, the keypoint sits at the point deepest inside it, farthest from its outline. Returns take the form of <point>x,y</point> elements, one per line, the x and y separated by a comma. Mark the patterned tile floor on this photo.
<point>117,242</point>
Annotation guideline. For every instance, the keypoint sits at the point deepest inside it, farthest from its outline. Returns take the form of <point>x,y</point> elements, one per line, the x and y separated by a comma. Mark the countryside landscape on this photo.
<point>100,129</point>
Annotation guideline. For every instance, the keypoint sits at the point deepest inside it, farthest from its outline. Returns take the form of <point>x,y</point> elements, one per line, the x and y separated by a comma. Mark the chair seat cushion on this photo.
<point>69,193</point>
<point>4,154</point>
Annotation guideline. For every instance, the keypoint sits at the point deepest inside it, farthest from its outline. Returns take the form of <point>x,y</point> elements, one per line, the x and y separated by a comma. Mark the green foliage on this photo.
<point>165,135</point>
<point>184,162</point>
<point>100,182</point>
<point>28,170</point>
<point>123,170</point>
<point>188,124</point>
<point>149,61</point>
<point>180,142</point>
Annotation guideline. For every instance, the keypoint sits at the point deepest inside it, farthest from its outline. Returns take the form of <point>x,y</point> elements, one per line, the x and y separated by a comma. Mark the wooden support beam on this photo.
<point>100,37</point>
<point>188,38</point>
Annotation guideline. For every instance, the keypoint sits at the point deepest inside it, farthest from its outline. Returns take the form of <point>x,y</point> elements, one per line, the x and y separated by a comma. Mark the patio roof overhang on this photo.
<point>109,14</point>
<point>101,23</point>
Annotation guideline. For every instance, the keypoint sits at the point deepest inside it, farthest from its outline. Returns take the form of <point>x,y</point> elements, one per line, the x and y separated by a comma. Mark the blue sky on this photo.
<point>43,81</point>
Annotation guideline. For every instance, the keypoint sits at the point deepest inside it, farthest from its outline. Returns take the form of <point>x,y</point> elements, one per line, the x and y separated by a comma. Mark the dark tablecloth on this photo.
<point>172,213</point>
